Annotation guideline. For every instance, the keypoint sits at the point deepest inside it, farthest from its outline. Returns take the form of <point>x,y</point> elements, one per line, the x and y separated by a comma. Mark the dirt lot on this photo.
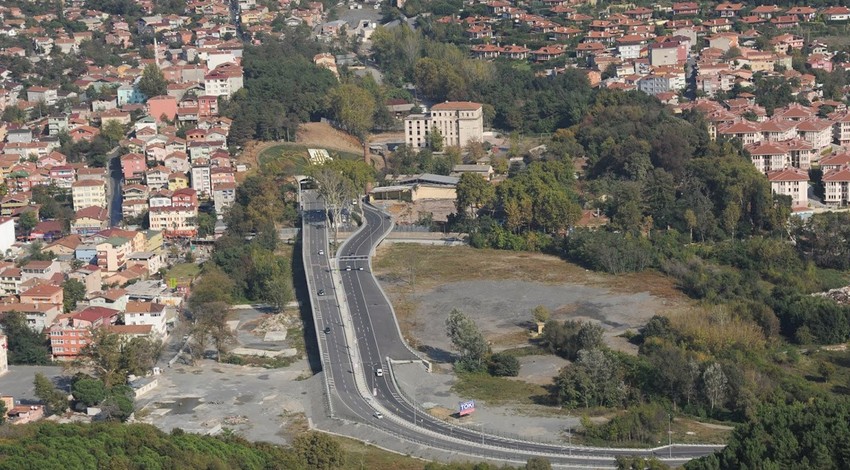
<point>498,289</point>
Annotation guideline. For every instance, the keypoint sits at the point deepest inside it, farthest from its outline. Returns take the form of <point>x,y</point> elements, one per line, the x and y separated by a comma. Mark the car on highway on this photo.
<point>321,252</point>
<point>321,292</point>
<point>379,415</point>
<point>360,268</point>
<point>379,372</point>
<point>348,268</point>
<point>327,330</point>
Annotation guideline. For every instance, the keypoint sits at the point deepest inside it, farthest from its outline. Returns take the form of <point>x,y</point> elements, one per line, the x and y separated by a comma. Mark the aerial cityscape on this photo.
<point>424,234</point>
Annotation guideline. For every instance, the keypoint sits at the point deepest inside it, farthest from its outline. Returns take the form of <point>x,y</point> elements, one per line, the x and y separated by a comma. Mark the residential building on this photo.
<point>71,333</point>
<point>90,220</point>
<point>149,260</point>
<point>160,107</point>
<point>132,165</point>
<point>112,254</point>
<point>4,358</point>
<point>224,80</point>
<point>7,235</point>
<point>201,180</point>
<point>88,193</point>
<point>837,186</point>
<point>147,313</point>
<point>44,270</point>
<point>224,196</point>
<point>459,122</point>
<point>175,221</point>
<point>39,316</point>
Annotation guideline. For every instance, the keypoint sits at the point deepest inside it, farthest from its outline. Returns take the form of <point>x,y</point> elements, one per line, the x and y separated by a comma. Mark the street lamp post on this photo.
<point>669,435</point>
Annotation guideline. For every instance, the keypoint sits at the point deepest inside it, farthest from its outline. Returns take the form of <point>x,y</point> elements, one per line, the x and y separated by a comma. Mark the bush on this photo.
<point>504,365</point>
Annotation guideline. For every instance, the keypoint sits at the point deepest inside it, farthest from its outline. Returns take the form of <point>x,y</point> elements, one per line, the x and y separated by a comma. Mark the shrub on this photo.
<point>504,365</point>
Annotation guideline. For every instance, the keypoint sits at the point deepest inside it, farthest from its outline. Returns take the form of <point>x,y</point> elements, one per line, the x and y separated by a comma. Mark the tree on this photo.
<point>540,314</point>
<point>89,392</point>
<point>55,399</point>
<point>716,385</point>
<point>113,131</point>
<point>118,404</point>
<point>504,365</point>
<point>27,222</point>
<point>336,190</point>
<point>435,139</point>
<point>139,355</point>
<point>538,463</point>
<point>103,356</point>
<point>826,370</point>
<point>214,285</point>
<point>210,319</point>
<point>466,338</point>
<point>354,108</point>
<point>73,291</point>
<point>568,338</point>
<point>3,412</point>
<point>594,379</point>
<point>319,451</point>
<point>26,346</point>
<point>153,82</point>
<point>473,192</point>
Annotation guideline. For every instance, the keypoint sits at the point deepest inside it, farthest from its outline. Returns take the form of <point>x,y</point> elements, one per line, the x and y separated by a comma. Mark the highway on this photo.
<point>362,335</point>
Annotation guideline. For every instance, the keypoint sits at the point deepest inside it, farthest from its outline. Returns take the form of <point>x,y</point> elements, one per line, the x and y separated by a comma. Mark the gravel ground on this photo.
<point>258,404</point>
<point>528,421</point>
<point>502,310</point>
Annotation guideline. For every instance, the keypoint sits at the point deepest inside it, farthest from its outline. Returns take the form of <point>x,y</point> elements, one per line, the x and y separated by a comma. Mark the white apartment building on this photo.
<point>792,182</point>
<point>225,80</point>
<point>837,186</point>
<point>459,122</point>
<point>146,313</point>
<point>201,180</point>
<point>87,193</point>
<point>174,221</point>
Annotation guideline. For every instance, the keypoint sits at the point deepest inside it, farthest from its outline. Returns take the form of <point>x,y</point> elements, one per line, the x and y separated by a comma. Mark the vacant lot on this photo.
<point>498,289</point>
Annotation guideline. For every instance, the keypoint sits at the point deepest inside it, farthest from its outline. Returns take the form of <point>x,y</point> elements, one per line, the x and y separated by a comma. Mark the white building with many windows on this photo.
<point>459,122</point>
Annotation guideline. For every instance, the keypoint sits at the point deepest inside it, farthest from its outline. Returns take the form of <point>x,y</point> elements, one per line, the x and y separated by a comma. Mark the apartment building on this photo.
<point>792,182</point>
<point>459,122</point>
<point>88,193</point>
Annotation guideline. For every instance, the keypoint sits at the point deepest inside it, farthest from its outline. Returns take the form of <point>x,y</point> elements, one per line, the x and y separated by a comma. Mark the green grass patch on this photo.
<point>183,272</point>
<point>498,390</point>
<point>298,156</point>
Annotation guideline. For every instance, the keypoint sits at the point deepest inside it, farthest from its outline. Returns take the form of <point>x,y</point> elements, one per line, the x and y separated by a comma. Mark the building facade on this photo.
<point>459,122</point>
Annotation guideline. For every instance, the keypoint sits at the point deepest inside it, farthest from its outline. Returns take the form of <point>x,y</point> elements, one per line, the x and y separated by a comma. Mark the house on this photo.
<point>64,246</point>
<point>71,333</point>
<point>44,270</point>
<point>484,171</point>
<point>728,10</point>
<point>90,276</point>
<point>162,107</point>
<point>38,316</point>
<point>36,94</point>
<point>133,164</point>
<point>84,133</point>
<point>224,195</point>
<point>667,53</point>
<point>837,186</point>
<point>157,178</point>
<point>10,281</point>
<point>838,13</point>
<point>47,230</point>
<point>90,220</point>
<point>43,294</point>
<point>685,8</point>
<point>147,313</point>
<point>224,80</point>
<point>113,298</point>
<point>88,193</point>
<point>7,234</point>
<point>149,260</point>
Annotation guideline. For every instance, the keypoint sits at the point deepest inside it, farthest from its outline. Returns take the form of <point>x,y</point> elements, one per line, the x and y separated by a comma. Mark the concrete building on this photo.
<point>7,234</point>
<point>4,358</point>
<point>459,122</point>
<point>792,182</point>
<point>147,313</point>
<point>88,193</point>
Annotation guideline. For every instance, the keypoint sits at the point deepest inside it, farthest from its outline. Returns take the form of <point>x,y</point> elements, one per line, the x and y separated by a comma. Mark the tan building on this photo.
<point>174,221</point>
<point>459,122</point>
<point>88,193</point>
<point>792,182</point>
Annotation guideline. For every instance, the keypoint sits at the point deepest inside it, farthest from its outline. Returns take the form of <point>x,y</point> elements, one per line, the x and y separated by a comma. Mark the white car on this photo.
<point>379,372</point>
<point>321,252</point>
<point>379,415</point>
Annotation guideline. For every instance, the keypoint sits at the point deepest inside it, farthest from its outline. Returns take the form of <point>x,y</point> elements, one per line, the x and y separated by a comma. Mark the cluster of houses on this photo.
<point>647,49</point>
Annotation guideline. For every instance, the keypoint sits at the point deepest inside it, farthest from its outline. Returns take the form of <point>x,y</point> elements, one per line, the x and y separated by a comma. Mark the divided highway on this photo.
<point>358,334</point>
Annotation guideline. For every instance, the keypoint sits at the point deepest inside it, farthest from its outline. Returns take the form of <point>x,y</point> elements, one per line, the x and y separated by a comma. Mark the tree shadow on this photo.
<point>437,354</point>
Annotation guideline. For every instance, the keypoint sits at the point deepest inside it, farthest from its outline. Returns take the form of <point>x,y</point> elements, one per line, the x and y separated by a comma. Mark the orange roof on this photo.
<point>788,174</point>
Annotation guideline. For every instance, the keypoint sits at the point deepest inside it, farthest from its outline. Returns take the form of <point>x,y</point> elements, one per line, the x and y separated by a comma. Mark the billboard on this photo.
<point>466,408</point>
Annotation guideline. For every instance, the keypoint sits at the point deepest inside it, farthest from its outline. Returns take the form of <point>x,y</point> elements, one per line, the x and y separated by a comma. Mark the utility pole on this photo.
<point>669,435</point>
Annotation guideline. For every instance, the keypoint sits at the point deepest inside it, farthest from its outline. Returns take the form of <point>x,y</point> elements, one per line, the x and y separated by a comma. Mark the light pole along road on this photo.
<point>357,333</point>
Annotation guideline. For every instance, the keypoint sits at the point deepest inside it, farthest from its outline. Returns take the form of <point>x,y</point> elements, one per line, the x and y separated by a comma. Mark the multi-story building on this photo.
<point>225,80</point>
<point>201,180</point>
<point>39,316</point>
<point>43,294</point>
<point>459,122</point>
<point>40,270</point>
<point>837,186</point>
<point>70,334</point>
<point>88,193</point>
<point>768,156</point>
<point>224,195</point>
<point>147,313</point>
<point>174,222</point>
<point>792,182</point>
<point>112,254</point>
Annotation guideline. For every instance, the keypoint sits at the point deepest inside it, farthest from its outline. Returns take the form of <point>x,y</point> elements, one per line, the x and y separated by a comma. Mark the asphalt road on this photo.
<point>373,334</point>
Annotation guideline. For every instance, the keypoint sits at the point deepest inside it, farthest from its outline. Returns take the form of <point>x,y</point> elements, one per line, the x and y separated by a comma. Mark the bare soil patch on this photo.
<point>498,289</point>
<point>321,135</point>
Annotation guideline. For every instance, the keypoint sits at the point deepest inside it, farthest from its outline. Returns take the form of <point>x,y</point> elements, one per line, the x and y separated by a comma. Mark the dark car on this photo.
<point>321,292</point>
<point>327,329</point>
